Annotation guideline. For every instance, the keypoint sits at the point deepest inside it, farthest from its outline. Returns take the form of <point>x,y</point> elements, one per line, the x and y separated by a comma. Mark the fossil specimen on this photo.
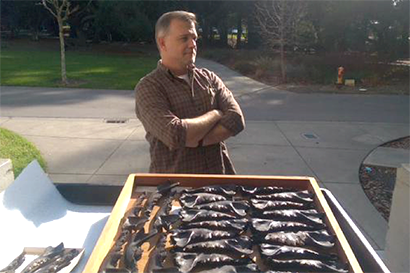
<point>195,199</point>
<point>232,224</point>
<point>320,239</point>
<point>237,208</point>
<point>235,246</point>
<point>258,204</point>
<point>183,237</point>
<point>194,215</point>
<point>228,190</point>
<point>300,196</point>
<point>265,225</point>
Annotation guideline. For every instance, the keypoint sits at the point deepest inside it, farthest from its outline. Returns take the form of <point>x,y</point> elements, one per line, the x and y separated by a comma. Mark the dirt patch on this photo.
<point>378,182</point>
<point>402,143</point>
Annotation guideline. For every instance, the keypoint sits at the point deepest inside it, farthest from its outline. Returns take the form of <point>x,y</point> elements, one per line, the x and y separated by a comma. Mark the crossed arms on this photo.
<point>216,125</point>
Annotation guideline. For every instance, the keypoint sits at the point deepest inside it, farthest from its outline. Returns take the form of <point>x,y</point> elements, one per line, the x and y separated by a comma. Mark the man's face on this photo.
<point>179,45</point>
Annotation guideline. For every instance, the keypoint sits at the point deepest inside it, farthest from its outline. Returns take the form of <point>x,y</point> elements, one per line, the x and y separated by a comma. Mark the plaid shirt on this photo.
<point>163,100</point>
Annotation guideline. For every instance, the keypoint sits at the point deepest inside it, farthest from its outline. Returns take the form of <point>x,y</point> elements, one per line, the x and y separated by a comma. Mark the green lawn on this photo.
<point>84,69</point>
<point>19,150</point>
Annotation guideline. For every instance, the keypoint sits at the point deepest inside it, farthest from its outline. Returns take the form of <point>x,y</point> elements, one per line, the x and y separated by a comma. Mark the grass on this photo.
<point>19,150</point>
<point>97,70</point>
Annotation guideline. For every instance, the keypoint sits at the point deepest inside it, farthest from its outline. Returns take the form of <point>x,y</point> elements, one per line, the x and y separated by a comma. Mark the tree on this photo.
<point>61,10</point>
<point>277,23</point>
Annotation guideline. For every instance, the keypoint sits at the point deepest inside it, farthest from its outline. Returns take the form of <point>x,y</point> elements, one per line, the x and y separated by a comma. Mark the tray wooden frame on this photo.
<point>110,230</point>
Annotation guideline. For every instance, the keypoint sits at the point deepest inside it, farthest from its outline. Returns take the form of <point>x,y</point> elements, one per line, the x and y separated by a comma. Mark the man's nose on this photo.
<point>192,43</point>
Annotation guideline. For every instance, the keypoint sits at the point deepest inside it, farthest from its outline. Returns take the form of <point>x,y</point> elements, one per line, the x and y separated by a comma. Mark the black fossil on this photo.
<point>300,196</point>
<point>247,268</point>
<point>269,226</point>
<point>44,259</point>
<point>275,205</point>
<point>303,216</point>
<point>237,208</point>
<point>195,199</point>
<point>307,265</point>
<point>233,224</point>
<point>59,262</point>
<point>157,255</point>
<point>183,237</point>
<point>16,263</point>
<point>235,246</point>
<point>133,250</point>
<point>250,190</point>
<point>194,215</point>
<point>160,220</point>
<point>291,252</point>
<point>320,239</point>
<point>228,190</point>
<point>189,261</point>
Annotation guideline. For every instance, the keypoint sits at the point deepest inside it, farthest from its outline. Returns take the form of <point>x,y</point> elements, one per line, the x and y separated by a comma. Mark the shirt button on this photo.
<point>199,108</point>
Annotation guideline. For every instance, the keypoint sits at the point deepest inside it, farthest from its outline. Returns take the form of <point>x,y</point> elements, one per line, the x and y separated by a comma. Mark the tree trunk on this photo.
<point>282,61</point>
<point>62,52</point>
<point>282,41</point>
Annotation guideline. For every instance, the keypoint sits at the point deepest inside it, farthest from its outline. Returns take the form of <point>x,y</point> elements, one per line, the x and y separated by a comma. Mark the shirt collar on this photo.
<point>169,73</point>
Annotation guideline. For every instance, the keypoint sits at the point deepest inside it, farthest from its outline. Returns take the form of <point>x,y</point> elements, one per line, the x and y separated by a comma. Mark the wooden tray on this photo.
<point>134,181</point>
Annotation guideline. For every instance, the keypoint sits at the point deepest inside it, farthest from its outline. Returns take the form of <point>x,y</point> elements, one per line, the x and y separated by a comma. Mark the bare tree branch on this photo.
<point>277,22</point>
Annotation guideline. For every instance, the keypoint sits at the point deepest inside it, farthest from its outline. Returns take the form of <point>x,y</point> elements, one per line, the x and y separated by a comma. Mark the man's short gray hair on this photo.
<point>163,23</point>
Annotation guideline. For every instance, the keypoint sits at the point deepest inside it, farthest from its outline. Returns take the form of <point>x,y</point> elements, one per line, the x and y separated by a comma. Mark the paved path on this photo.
<point>325,136</point>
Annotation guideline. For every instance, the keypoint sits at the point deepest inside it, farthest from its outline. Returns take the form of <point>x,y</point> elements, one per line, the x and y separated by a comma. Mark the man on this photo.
<point>187,112</point>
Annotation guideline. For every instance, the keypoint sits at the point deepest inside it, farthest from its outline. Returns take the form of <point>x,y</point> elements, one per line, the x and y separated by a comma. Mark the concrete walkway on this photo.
<point>319,138</point>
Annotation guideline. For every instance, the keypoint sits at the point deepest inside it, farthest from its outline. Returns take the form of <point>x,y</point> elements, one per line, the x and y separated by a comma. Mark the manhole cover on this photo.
<point>310,136</point>
<point>115,120</point>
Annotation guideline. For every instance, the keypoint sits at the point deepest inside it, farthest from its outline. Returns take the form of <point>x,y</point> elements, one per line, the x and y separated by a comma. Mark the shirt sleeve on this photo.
<point>153,110</point>
<point>233,118</point>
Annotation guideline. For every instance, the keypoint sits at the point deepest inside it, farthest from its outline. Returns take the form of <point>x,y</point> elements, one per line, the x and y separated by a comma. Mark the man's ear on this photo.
<point>161,43</point>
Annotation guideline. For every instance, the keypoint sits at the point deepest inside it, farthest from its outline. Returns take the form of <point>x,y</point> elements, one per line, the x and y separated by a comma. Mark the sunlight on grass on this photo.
<point>19,150</point>
<point>98,70</point>
<point>86,70</point>
<point>32,73</point>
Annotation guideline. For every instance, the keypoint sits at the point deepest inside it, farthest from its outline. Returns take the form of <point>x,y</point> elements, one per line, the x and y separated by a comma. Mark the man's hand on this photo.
<point>198,127</point>
<point>217,134</point>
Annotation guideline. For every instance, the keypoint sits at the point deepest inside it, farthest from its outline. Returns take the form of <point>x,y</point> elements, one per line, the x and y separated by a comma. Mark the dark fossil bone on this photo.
<point>300,196</point>
<point>302,216</point>
<point>320,239</point>
<point>249,190</point>
<point>183,237</point>
<point>194,215</point>
<point>291,252</point>
<point>269,226</point>
<point>44,259</point>
<point>161,219</point>
<point>248,268</point>
<point>158,254</point>
<point>14,264</point>
<point>235,246</point>
<point>228,190</point>
<point>189,261</point>
<point>195,199</point>
<point>307,265</point>
<point>59,262</point>
<point>238,208</point>
<point>233,224</point>
<point>133,250</point>
<point>275,205</point>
